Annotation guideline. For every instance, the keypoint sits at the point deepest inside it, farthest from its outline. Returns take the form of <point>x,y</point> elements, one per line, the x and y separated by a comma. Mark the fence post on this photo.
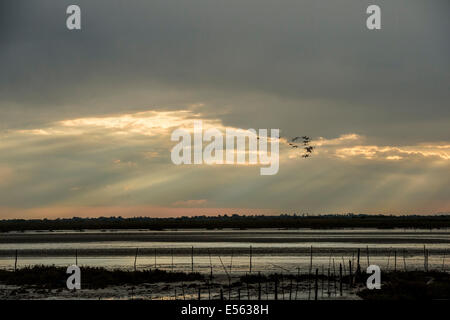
<point>192,259</point>
<point>395,260</point>
<point>316,285</point>
<point>350,275</point>
<point>276,288</point>
<point>135,259</point>
<point>250,259</point>
<point>259,286</point>
<point>15,262</point>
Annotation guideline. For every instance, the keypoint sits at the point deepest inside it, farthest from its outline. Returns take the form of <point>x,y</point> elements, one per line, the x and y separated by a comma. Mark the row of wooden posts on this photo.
<point>426,258</point>
<point>426,253</point>
<point>278,291</point>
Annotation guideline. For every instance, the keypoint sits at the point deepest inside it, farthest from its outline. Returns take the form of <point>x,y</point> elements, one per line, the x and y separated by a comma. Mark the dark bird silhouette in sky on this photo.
<point>308,149</point>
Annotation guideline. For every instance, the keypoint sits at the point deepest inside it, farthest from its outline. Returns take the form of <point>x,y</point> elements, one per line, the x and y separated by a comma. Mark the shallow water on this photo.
<point>286,251</point>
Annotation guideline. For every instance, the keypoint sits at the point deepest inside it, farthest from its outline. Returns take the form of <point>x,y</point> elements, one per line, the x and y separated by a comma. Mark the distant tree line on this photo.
<point>233,221</point>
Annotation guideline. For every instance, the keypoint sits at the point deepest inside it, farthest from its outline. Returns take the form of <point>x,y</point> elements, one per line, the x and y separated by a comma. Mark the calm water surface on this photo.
<point>286,251</point>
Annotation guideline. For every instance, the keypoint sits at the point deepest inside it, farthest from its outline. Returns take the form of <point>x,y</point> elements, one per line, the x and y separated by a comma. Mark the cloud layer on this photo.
<point>85,117</point>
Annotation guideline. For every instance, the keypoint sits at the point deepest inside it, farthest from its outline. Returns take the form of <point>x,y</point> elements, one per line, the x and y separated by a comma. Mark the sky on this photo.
<point>86,116</point>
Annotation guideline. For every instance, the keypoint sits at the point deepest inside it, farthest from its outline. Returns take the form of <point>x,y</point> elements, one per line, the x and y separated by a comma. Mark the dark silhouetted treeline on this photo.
<point>233,221</point>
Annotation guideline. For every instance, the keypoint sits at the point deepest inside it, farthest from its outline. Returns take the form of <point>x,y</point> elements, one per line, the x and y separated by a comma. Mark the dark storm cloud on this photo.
<point>313,58</point>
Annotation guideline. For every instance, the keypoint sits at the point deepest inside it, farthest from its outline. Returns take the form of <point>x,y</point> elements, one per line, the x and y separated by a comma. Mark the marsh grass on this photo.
<point>411,285</point>
<point>91,277</point>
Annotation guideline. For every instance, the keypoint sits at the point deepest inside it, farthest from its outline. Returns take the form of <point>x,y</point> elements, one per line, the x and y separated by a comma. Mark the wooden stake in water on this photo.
<point>368,261</point>
<point>358,266</point>
<point>395,260</point>
<point>404,259</point>
<point>389,256</point>
<point>231,260</point>
<point>135,259</point>
<point>276,288</point>
<point>224,268</point>
<point>209,290</point>
<point>316,284</point>
<point>350,276</point>
<point>340,279</point>
<point>290,290</point>
<point>76,257</point>
<point>210,265</point>
<point>443,263</point>
<point>310,261</point>
<point>15,262</point>
<point>353,259</point>
<point>343,265</point>
<point>328,287</point>
<point>334,282</point>
<point>334,268</point>
<point>329,259</point>
<point>229,289</point>
<point>192,259</point>
<point>182,289</point>
<point>424,258</point>
<point>323,280</point>
<point>259,286</point>
<point>250,259</point>
<point>309,285</point>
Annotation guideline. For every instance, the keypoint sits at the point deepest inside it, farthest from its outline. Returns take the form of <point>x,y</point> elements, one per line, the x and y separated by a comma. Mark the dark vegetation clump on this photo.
<point>91,277</point>
<point>411,285</point>
<point>255,278</point>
